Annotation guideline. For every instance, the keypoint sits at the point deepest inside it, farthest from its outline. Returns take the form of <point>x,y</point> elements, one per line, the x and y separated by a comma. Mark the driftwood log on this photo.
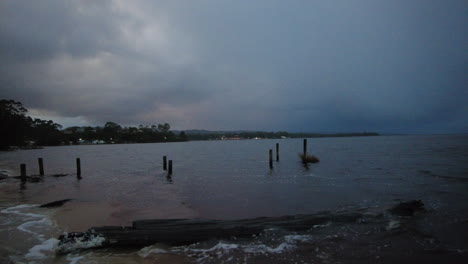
<point>187,231</point>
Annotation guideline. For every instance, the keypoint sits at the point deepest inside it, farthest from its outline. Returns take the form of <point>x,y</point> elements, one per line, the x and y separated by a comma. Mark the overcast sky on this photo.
<point>313,66</point>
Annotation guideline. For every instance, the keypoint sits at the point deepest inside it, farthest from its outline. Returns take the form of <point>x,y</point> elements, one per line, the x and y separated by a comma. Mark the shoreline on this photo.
<point>318,136</point>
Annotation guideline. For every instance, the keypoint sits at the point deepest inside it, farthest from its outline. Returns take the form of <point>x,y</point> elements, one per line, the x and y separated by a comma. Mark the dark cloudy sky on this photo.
<point>395,66</point>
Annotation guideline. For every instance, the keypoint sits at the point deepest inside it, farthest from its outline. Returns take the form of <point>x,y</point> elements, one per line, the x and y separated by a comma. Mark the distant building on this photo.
<point>231,138</point>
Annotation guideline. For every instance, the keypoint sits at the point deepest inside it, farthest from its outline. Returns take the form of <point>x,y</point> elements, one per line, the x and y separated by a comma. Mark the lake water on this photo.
<point>232,180</point>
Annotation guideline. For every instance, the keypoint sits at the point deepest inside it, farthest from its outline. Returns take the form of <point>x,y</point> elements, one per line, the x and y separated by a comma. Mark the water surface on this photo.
<point>232,180</point>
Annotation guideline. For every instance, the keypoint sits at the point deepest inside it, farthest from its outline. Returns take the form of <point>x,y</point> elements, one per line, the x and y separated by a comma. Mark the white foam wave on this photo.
<point>27,227</point>
<point>219,246</point>
<point>393,224</point>
<point>323,225</point>
<point>222,248</point>
<point>261,248</point>
<point>73,259</point>
<point>77,243</point>
<point>146,251</point>
<point>15,210</point>
<point>31,220</point>
<point>36,252</point>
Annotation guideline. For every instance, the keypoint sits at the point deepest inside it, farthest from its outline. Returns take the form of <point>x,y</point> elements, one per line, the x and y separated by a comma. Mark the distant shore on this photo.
<point>214,135</point>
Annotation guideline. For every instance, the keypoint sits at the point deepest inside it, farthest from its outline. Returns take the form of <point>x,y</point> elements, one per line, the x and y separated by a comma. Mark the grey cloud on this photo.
<point>387,66</point>
<point>40,30</point>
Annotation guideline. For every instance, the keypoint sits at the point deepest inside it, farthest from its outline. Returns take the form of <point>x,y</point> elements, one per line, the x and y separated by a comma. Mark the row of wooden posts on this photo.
<point>23,174</point>
<point>277,153</point>
<point>167,165</point>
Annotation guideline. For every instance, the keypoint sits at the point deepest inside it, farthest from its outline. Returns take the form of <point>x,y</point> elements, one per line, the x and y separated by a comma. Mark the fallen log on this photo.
<point>175,232</point>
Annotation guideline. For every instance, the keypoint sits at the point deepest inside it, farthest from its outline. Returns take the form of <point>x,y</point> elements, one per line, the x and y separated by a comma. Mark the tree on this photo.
<point>183,136</point>
<point>13,122</point>
<point>17,128</point>
<point>112,127</point>
<point>164,128</point>
<point>111,131</point>
<point>46,133</point>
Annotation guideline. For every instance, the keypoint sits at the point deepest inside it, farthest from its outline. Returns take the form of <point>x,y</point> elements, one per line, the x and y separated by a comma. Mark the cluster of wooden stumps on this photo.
<point>270,153</point>
<point>23,175</point>
<point>306,159</point>
<point>165,165</point>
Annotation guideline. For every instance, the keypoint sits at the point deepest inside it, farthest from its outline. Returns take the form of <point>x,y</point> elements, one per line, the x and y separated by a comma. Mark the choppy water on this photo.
<point>232,180</point>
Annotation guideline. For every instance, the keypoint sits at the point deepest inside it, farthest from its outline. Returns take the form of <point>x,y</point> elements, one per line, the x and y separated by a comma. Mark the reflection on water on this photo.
<point>232,179</point>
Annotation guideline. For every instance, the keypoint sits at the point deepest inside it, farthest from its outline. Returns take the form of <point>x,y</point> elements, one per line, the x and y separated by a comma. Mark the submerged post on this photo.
<point>164,163</point>
<point>305,147</point>
<point>271,158</point>
<point>41,166</point>
<point>277,151</point>
<point>23,172</point>
<point>78,168</point>
<point>170,168</point>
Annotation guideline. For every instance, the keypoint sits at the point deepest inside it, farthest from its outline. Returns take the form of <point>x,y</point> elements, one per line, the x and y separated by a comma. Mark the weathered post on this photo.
<point>23,172</point>
<point>277,151</point>
<point>170,168</point>
<point>305,147</point>
<point>78,168</point>
<point>164,163</point>
<point>41,166</point>
<point>271,158</point>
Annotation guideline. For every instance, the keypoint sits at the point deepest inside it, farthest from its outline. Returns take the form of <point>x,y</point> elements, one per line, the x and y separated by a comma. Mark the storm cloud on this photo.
<point>315,66</point>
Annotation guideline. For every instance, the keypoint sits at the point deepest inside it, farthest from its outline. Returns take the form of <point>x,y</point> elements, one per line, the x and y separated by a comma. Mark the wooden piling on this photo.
<point>164,163</point>
<point>305,147</point>
<point>170,168</point>
<point>271,158</point>
<point>277,151</point>
<point>78,168</point>
<point>23,172</point>
<point>41,166</point>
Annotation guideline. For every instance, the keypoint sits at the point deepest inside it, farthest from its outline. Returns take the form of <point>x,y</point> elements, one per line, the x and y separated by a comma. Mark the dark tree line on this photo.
<point>114,133</point>
<point>18,129</point>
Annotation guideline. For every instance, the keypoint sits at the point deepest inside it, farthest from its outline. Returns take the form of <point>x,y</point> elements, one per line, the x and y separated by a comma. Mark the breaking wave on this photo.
<point>226,250</point>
